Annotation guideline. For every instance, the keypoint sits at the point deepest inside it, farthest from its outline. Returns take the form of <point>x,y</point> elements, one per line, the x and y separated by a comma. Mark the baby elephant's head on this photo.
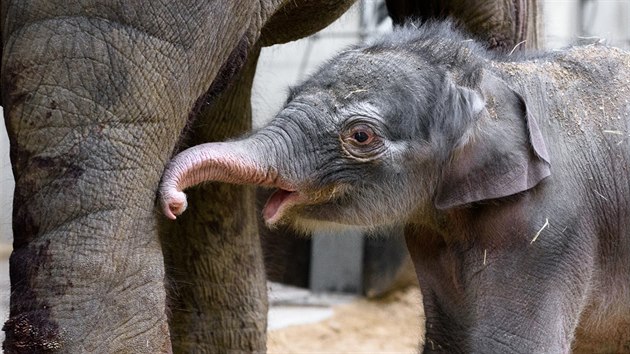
<point>365,141</point>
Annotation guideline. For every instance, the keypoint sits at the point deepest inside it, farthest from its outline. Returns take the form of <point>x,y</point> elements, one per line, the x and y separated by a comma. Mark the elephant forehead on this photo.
<point>357,74</point>
<point>366,69</point>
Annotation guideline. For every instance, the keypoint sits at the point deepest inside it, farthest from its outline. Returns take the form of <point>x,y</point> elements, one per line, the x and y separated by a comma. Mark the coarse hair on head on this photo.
<point>440,44</point>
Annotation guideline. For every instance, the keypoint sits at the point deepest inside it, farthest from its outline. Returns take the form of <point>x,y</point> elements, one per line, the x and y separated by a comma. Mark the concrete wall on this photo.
<point>566,20</point>
<point>560,22</point>
<point>607,19</point>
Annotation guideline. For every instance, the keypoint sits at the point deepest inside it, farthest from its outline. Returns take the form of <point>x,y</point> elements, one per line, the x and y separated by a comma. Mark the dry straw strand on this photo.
<point>539,231</point>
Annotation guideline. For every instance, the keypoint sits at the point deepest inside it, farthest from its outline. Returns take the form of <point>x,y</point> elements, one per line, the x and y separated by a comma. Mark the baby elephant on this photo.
<point>509,174</point>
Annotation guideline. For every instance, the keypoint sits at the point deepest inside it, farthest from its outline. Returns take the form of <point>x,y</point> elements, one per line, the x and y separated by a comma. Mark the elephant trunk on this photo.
<point>236,162</point>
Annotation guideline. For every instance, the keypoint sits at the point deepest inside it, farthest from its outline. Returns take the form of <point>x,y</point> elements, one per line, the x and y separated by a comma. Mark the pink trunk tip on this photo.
<point>173,203</point>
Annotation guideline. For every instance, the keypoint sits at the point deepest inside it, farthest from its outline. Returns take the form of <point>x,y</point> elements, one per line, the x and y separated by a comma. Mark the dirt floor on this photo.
<point>393,324</point>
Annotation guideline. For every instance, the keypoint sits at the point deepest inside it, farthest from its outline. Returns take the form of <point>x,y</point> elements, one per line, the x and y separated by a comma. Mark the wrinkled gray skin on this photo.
<point>96,95</point>
<point>510,176</point>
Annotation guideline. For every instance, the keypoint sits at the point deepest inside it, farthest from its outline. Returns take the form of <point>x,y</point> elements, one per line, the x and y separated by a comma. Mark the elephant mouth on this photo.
<point>278,203</point>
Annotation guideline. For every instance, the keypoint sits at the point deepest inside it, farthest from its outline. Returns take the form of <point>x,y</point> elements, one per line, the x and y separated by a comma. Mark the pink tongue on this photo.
<point>274,203</point>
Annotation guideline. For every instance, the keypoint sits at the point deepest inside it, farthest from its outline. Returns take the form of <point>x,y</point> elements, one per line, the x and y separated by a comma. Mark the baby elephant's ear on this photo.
<point>505,153</point>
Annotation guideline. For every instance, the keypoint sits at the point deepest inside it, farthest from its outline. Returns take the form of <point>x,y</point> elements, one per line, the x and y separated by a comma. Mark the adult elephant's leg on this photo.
<point>212,252</point>
<point>502,24</point>
<point>95,98</point>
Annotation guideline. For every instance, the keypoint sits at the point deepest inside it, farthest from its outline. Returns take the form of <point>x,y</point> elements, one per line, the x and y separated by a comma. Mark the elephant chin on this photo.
<point>278,203</point>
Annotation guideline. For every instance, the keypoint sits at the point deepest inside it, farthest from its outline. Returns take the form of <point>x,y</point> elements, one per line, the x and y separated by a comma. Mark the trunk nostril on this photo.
<point>174,204</point>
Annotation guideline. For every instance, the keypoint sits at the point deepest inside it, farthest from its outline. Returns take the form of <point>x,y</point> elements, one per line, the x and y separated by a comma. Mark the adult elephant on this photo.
<point>96,97</point>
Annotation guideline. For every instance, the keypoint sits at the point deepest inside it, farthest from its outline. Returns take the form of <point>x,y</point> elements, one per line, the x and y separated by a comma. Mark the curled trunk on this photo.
<point>231,162</point>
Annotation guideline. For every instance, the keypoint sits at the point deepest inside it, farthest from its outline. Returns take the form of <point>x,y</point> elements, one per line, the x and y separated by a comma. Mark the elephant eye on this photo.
<point>362,134</point>
<point>363,141</point>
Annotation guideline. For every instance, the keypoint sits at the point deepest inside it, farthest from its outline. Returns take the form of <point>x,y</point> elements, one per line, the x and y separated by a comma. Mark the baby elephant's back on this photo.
<point>581,90</point>
<point>596,76</point>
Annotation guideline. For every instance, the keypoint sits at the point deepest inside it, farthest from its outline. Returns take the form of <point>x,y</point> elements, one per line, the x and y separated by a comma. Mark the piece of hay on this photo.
<point>539,231</point>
